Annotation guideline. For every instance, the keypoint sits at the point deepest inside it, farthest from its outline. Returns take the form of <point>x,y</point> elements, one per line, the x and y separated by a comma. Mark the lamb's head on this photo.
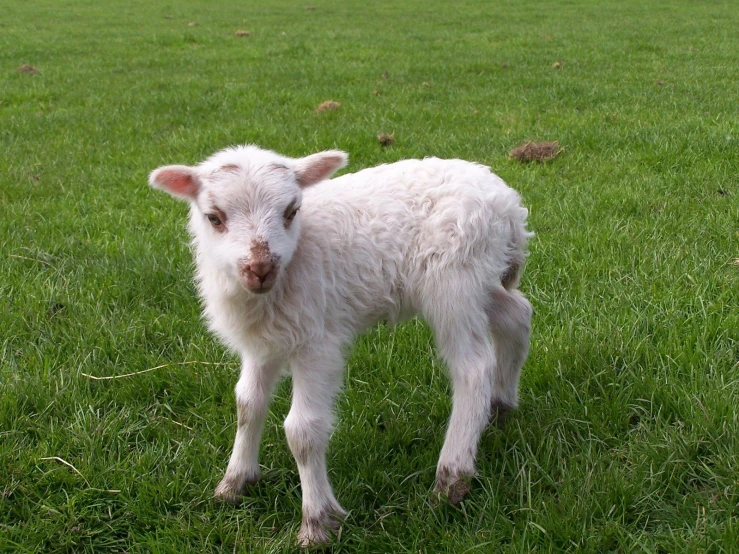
<point>244,208</point>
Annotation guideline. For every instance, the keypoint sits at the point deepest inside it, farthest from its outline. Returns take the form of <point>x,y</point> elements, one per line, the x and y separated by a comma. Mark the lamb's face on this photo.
<point>246,219</point>
<point>245,208</point>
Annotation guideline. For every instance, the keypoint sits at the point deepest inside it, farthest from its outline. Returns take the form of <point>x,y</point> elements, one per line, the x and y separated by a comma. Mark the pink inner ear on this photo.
<point>178,182</point>
<point>319,167</point>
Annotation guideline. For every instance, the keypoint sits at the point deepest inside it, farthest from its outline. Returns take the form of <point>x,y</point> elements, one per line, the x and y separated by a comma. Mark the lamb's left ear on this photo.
<point>317,167</point>
<point>178,180</point>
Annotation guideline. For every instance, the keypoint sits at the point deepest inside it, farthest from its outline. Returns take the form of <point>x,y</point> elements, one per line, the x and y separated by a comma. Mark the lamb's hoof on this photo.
<point>452,484</point>
<point>499,412</point>
<point>230,488</point>
<point>226,492</point>
<point>319,531</point>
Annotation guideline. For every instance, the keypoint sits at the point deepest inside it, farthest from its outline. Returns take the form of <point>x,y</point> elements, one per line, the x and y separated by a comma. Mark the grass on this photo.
<point>626,440</point>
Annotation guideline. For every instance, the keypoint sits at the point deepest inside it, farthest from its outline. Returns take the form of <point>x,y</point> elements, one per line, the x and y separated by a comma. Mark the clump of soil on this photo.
<point>25,68</point>
<point>328,105</point>
<point>536,151</point>
<point>385,139</point>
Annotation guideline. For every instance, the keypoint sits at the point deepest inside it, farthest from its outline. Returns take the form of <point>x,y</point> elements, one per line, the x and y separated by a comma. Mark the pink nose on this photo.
<point>260,268</point>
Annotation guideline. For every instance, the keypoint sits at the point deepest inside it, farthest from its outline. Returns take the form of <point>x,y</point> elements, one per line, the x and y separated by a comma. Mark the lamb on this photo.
<point>292,266</point>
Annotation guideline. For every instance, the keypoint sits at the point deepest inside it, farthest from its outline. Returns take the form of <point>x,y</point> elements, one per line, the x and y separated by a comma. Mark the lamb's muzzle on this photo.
<point>443,239</point>
<point>258,275</point>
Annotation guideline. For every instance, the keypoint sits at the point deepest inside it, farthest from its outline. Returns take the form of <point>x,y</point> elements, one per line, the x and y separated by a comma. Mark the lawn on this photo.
<point>627,438</point>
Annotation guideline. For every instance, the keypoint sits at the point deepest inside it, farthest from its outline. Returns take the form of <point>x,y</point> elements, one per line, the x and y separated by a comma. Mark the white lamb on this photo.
<point>291,267</point>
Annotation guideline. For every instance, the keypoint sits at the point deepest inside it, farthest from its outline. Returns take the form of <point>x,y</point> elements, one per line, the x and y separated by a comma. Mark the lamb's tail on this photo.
<point>517,248</point>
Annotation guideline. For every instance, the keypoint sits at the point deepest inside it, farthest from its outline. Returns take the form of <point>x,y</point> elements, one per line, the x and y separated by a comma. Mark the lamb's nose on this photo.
<point>261,268</point>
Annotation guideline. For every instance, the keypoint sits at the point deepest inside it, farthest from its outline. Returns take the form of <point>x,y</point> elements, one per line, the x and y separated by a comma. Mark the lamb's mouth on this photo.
<point>262,289</point>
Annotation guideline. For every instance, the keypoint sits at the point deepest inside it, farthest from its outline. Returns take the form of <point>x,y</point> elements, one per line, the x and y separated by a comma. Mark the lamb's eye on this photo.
<point>215,220</point>
<point>290,214</point>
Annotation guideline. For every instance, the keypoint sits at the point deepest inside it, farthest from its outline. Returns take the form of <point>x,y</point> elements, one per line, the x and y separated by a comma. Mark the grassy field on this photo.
<point>627,439</point>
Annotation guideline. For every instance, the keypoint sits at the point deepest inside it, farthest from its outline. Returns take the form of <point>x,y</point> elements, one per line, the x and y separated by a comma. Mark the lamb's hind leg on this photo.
<point>462,339</point>
<point>509,316</point>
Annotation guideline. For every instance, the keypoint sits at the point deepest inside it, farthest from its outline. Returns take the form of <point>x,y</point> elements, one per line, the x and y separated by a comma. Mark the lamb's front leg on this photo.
<point>253,393</point>
<point>317,377</point>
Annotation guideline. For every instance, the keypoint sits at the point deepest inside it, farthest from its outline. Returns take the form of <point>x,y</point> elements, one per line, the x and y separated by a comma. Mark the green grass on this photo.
<point>626,440</point>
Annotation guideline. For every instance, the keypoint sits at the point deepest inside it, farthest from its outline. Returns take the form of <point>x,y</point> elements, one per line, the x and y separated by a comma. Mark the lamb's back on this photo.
<point>377,234</point>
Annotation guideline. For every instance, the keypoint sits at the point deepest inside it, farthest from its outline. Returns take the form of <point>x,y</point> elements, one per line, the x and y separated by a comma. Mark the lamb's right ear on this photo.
<point>317,167</point>
<point>180,181</point>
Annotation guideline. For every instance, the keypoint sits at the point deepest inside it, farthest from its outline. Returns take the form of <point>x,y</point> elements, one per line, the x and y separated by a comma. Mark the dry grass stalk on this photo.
<point>70,466</point>
<point>111,377</point>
